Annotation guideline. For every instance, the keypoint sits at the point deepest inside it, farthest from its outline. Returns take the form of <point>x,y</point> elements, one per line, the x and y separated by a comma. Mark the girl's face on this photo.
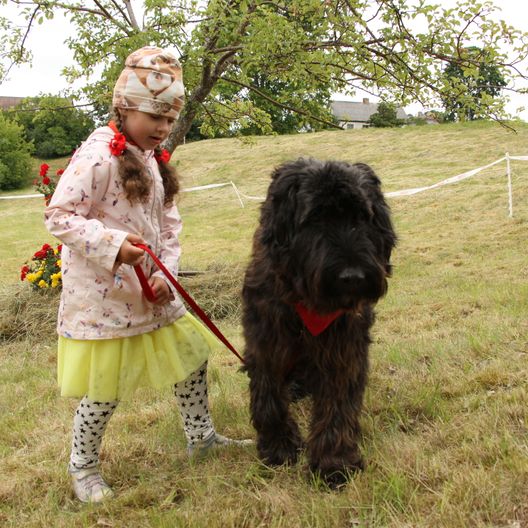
<point>147,131</point>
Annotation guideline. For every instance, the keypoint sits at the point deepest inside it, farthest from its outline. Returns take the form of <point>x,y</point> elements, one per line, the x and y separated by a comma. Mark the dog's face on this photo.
<point>328,233</point>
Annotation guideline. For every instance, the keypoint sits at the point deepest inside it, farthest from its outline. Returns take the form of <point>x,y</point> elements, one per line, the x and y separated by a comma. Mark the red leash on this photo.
<point>149,294</point>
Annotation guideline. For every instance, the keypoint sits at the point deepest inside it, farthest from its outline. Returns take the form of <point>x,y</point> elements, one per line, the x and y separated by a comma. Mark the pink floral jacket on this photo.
<point>91,215</point>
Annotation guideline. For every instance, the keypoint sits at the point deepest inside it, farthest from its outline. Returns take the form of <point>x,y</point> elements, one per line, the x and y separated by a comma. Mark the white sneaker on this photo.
<point>214,441</point>
<point>89,486</point>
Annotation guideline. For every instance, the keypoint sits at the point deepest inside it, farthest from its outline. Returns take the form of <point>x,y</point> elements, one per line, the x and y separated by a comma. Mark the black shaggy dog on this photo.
<point>321,254</point>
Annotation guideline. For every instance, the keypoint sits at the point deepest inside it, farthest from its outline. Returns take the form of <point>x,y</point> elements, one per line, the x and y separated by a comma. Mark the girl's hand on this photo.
<point>161,290</point>
<point>130,254</point>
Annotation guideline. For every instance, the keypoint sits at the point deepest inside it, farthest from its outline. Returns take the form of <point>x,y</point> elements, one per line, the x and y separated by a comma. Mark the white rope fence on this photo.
<point>468,174</point>
<point>395,194</point>
<point>447,181</point>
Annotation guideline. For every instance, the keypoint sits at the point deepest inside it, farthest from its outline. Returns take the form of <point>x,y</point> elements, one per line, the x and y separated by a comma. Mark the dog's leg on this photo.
<point>278,436</point>
<point>333,443</point>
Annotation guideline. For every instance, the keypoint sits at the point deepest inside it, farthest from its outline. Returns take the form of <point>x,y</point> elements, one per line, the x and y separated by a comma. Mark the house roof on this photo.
<point>9,102</point>
<point>359,111</point>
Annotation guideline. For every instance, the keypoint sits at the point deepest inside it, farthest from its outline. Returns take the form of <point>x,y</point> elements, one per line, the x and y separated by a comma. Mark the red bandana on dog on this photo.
<point>314,322</point>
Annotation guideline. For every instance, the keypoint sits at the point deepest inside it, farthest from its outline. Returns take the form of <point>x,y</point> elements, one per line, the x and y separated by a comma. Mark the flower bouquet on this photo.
<point>44,270</point>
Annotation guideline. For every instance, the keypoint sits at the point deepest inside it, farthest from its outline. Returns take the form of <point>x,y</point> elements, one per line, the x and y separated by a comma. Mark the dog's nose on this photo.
<point>352,274</point>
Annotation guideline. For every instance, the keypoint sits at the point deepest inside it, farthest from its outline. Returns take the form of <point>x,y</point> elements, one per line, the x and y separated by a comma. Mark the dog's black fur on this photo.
<point>325,239</point>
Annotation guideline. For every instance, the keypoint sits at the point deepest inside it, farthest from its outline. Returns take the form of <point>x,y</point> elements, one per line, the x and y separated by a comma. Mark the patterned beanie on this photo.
<point>151,82</point>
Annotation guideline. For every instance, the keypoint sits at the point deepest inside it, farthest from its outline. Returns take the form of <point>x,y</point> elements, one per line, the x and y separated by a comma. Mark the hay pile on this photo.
<point>217,291</point>
<point>26,313</point>
<point>29,314</point>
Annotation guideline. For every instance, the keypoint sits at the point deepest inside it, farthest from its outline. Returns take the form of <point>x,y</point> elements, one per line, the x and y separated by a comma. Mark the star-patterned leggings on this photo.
<point>92,417</point>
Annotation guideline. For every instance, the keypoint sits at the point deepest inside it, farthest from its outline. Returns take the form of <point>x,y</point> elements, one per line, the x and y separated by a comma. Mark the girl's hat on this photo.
<point>151,82</point>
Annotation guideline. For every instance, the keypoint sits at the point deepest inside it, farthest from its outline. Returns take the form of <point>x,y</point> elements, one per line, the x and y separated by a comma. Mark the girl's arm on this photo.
<point>67,217</point>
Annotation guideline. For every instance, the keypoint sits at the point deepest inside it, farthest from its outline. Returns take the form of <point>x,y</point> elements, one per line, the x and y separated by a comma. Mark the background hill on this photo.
<point>446,414</point>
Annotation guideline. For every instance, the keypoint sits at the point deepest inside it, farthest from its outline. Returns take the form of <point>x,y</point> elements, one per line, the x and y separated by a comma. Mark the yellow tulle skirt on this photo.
<point>111,369</point>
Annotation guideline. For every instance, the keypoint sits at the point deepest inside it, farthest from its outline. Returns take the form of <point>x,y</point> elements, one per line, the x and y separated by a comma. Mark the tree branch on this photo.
<point>281,105</point>
<point>38,109</point>
<point>131,14</point>
<point>22,44</point>
<point>112,18</point>
<point>66,7</point>
<point>123,13</point>
<point>79,9</point>
<point>33,15</point>
<point>103,10</point>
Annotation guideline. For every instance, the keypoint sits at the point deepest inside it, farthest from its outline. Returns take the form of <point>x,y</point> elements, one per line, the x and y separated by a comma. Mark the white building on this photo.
<point>351,114</point>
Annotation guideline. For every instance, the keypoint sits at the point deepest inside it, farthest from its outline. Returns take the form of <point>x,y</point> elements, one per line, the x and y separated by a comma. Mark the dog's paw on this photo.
<point>337,477</point>
<point>279,453</point>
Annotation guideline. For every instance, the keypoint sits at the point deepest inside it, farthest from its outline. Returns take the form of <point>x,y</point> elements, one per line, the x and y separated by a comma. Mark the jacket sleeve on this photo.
<point>70,216</point>
<point>170,246</point>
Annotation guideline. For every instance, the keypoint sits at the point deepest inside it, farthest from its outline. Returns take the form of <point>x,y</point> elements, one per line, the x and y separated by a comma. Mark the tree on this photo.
<point>385,116</point>
<point>54,126</point>
<point>283,121</point>
<point>472,83</point>
<point>264,116</point>
<point>15,155</point>
<point>316,45</point>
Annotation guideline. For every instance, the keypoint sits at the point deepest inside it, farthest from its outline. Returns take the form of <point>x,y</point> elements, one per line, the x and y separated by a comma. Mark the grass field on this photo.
<point>446,412</point>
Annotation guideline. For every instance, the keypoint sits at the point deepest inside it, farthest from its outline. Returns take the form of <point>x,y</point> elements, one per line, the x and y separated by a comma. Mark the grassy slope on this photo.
<point>445,419</point>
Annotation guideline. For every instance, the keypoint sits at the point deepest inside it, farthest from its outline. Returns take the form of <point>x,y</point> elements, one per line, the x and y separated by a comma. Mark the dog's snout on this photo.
<point>351,274</point>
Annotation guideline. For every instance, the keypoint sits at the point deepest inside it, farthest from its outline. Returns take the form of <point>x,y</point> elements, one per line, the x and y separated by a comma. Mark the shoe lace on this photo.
<point>92,481</point>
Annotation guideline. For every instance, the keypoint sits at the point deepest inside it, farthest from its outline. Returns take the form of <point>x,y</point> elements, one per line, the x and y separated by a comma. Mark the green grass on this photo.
<point>446,411</point>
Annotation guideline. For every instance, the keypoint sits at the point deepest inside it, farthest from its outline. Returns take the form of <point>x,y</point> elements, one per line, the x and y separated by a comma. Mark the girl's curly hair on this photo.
<point>136,181</point>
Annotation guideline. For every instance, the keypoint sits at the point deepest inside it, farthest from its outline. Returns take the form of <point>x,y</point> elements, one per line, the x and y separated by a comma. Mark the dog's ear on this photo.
<point>381,216</point>
<point>278,211</point>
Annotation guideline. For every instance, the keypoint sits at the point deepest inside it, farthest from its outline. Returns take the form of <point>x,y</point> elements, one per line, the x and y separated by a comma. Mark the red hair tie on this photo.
<point>118,144</point>
<point>163,156</point>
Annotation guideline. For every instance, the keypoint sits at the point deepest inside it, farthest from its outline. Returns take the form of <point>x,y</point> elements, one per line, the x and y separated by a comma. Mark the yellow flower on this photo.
<point>44,272</point>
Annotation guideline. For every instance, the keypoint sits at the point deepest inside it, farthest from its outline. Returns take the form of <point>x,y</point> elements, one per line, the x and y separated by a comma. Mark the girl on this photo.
<point>118,191</point>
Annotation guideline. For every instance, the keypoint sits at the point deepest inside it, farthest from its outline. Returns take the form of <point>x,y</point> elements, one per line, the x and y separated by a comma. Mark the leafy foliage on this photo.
<point>385,116</point>
<point>15,155</point>
<point>53,124</point>
<point>272,56</point>
<point>479,81</point>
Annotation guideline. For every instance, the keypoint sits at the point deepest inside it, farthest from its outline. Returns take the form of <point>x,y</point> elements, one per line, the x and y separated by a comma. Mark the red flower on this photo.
<point>44,169</point>
<point>59,248</point>
<point>45,247</point>
<point>163,157</point>
<point>46,180</point>
<point>60,172</point>
<point>23,272</point>
<point>117,144</point>
<point>41,254</point>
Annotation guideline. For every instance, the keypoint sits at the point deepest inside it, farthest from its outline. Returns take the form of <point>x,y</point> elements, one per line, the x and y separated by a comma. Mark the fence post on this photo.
<point>508,172</point>
<point>237,193</point>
